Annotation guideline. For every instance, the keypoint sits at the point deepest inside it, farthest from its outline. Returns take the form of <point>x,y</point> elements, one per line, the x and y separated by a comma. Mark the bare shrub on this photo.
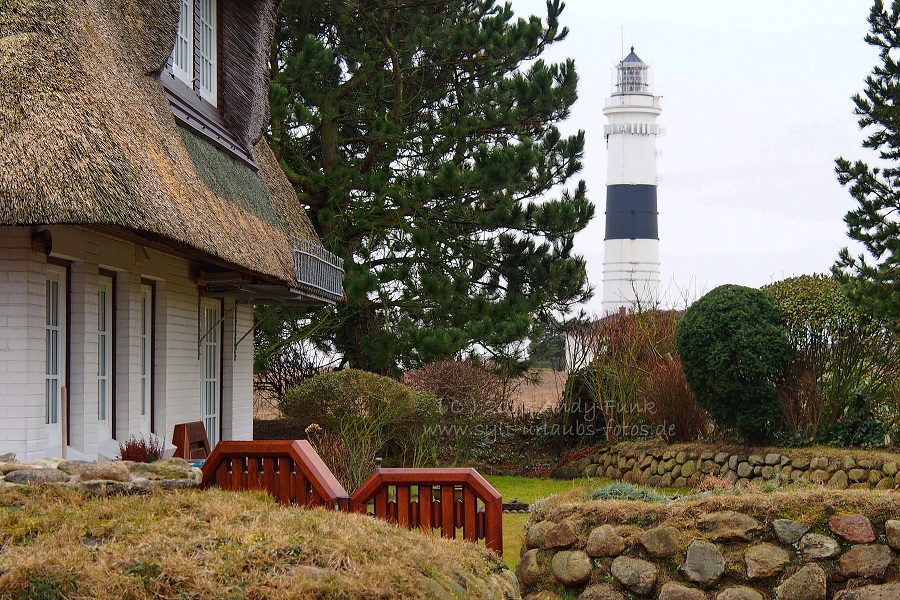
<point>625,348</point>
<point>670,405</point>
<point>802,402</point>
<point>470,397</point>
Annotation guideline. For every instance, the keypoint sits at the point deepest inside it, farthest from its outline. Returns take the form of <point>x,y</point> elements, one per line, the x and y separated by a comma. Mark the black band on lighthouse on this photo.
<point>631,212</point>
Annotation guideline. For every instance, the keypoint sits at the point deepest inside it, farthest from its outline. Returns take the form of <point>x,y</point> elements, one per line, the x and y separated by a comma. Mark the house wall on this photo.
<point>177,365</point>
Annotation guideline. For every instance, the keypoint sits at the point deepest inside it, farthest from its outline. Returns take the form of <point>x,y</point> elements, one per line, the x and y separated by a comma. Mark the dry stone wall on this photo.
<point>118,477</point>
<point>688,552</point>
<point>685,467</point>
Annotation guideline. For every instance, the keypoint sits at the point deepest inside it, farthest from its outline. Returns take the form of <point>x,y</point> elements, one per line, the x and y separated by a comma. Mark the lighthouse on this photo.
<point>631,242</point>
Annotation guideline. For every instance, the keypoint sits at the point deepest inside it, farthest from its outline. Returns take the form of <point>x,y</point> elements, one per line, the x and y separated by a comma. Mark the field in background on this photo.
<point>535,397</point>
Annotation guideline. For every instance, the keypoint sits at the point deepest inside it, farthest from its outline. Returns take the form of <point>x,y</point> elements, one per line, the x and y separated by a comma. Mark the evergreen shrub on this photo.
<point>371,416</point>
<point>735,351</point>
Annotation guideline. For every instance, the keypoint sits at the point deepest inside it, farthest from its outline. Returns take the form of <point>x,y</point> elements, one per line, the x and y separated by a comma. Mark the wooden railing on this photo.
<point>291,471</point>
<point>445,499</point>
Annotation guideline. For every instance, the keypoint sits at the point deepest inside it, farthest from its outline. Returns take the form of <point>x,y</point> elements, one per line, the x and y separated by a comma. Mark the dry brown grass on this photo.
<point>811,505</point>
<point>214,544</point>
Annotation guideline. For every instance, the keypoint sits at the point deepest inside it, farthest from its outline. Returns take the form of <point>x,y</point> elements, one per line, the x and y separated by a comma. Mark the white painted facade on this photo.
<point>631,266</point>
<point>155,308</point>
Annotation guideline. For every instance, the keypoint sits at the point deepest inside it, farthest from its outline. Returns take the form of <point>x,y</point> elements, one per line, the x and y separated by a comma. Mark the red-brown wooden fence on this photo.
<point>291,471</point>
<point>445,499</point>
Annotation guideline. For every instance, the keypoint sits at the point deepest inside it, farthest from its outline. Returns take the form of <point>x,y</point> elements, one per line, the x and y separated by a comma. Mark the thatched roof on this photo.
<point>87,136</point>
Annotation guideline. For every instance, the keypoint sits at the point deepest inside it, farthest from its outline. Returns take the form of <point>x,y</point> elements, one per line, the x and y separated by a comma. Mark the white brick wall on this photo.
<point>177,366</point>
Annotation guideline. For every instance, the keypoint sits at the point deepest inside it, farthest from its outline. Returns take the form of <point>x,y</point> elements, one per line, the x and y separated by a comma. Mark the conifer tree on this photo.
<point>873,281</point>
<point>421,137</point>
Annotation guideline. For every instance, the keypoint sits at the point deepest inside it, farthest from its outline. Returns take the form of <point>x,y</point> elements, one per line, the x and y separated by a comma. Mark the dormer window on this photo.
<point>207,78</point>
<point>194,54</point>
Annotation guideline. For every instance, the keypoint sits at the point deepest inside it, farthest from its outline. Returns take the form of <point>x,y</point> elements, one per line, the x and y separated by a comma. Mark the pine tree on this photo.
<point>873,282</point>
<point>421,138</point>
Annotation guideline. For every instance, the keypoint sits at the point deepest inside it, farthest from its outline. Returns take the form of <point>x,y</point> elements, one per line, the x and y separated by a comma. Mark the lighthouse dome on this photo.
<point>633,75</point>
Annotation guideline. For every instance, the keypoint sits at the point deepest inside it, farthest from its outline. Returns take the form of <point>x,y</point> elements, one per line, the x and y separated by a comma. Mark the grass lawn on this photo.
<point>527,489</point>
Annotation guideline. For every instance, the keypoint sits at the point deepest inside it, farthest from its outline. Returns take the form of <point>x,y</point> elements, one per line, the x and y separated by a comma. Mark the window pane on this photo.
<point>183,51</point>
<point>206,79</point>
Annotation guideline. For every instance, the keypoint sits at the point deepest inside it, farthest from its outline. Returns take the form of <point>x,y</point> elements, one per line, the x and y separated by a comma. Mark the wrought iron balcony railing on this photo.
<point>319,271</point>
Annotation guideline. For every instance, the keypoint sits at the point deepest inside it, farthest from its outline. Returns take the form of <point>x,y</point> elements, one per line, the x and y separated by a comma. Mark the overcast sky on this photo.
<point>756,107</point>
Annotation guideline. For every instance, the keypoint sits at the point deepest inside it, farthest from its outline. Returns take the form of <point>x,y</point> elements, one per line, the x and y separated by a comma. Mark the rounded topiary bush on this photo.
<point>361,415</point>
<point>734,350</point>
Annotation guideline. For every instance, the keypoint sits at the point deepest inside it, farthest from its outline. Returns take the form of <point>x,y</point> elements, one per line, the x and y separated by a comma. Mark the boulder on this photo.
<point>604,541</point>
<point>808,583</point>
<point>88,471</point>
<point>677,591</point>
<point>728,525</point>
<point>537,533</point>
<point>871,592</point>
<point>838,481</point>
<point>870,561</point>
<point>856,528</point>
<point>542,595</point>
<point>637,575</point>
<point>603,591</point>
<point>765,560</point>
<point>800,462</point>
<point>814,546</point>
<point>99,487</point>
<point>857,475</point>
<point>789,532</point>
<point>661,542</point>
<point>739,593</point>
<point>703,564</point>
<point>529,571</point>
<point>571,567</point>
<point>435,591</point>
<point>892,533</point>
<point>9,467</point>
<point>562,535</point>
<point>170,468</point>
<point>36,476</point>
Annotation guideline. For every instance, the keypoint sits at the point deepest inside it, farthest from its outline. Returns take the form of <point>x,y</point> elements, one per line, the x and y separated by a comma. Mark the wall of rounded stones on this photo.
<point>718,555</point>
<point>685,467</point>
<point>118,477</point>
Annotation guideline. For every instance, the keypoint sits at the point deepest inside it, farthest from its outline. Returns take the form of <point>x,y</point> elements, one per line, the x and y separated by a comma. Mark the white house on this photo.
<point>142,216</point>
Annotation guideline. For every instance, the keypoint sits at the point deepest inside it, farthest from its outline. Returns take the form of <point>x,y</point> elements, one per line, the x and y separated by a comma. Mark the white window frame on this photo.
<point>146,356</point>
<point>104,357</point>
<point>183,60</point>
<point>55,304</point>
<point>205,17</point>
<point>207,79</point>
<point>210,367</point>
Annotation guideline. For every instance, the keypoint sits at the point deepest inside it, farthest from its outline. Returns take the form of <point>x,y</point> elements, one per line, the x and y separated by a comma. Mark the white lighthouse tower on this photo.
<point>631,246</point>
